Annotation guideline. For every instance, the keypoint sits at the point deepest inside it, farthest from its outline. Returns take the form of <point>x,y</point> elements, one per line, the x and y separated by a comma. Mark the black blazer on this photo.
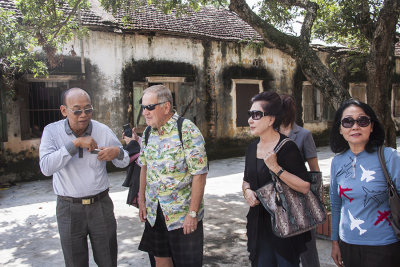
<point>132,179</point>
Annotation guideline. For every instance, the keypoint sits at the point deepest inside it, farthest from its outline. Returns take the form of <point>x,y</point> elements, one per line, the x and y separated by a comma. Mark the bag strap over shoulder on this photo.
<point>280,145</point>
<point>381,156</point>
<point>179,124</point>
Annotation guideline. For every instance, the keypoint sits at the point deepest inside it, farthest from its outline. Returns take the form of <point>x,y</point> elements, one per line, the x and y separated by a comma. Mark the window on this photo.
<point>242,92</point>
<point>358,91</point>
<point>312,103</point>
<point>183,96</point>
<point>41,106</point>
<point>396,100</point>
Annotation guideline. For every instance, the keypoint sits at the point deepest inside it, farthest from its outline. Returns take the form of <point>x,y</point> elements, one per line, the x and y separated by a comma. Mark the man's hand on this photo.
<point>85,142</point>
<point>336,255</point>
<point>108,153</point>
<point>142,210</point>
<point>189,225</point>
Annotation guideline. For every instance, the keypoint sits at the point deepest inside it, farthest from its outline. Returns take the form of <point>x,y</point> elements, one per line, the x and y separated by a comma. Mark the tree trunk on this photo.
<point>298,48</point>
<point>380,69</point>
<point>379,65</point>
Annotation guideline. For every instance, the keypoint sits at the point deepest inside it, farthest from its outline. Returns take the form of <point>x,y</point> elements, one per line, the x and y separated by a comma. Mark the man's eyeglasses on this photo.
<point>256,114</point>
<point>78,112</point>
<point>362,121</point>
<point>151,106</point>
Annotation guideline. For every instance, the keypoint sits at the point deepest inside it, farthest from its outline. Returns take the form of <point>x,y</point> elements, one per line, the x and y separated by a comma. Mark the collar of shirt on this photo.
<point>166,128</point>
<point>69,131</point>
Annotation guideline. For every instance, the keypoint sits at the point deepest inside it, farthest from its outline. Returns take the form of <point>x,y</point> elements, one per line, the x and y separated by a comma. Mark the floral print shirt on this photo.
<point>170,170</point>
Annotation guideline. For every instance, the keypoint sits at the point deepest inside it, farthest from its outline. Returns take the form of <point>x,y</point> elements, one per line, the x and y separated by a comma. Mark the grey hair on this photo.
<point>162,92</point>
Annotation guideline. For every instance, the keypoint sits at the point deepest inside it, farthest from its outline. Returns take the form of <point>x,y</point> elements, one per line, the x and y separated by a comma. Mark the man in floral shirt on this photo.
<point>172,183</point>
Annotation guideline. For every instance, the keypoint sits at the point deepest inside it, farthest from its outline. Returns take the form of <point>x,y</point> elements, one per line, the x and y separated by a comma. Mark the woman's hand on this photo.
<point>336,256</point>
<point>271,161</point>
<point>128,139</point>
<point>251,197</point>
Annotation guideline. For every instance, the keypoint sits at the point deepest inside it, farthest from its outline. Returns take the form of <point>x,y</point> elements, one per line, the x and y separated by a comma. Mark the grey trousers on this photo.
<point>77,221</point>
<point>309,258</point>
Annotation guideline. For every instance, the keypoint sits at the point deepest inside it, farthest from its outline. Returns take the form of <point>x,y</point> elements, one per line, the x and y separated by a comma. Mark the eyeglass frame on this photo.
<point>251,114</point>
<point>353,121</point>
<point>151,107</point>
<point>78,112</point>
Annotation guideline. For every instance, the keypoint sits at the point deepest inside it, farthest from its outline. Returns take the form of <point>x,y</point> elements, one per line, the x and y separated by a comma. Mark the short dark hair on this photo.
<point>339,144</point>
<point>289,110</point>
<point>272,105</point>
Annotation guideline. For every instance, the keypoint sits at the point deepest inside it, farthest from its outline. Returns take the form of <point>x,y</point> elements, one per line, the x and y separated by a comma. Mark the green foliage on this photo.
<point>340,21</point>
<point>48,24</point>
<point>279,14</point>
<point>16,49</point>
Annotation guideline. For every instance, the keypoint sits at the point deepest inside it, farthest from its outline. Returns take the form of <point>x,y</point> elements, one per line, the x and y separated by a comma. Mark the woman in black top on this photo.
<point>265,248</point>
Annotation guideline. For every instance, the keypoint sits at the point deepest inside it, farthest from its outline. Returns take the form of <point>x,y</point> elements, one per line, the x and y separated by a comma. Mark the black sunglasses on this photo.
<point>80,111</point>
<point>362,121</point>
<point>151,106</point>
<point>256,114</point>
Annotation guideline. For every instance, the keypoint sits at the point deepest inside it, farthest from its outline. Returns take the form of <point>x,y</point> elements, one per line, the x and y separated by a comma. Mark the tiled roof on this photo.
<point>209,22</point>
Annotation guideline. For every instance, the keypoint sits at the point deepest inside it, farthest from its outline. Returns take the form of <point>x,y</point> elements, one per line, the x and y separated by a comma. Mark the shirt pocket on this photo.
<point>94,163</point>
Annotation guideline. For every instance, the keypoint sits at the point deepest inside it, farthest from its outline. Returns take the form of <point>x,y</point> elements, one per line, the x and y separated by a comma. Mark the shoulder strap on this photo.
<point>180,122</point>
<point>280,145</point>
<point>381,156</point>
<point>147,134</point>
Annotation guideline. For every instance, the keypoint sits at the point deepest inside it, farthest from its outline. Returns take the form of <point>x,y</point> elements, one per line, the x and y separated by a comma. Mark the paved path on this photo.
<point>29,236</point>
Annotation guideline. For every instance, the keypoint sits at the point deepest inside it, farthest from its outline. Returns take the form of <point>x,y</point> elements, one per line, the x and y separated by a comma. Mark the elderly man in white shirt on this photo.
<point>75,151</point>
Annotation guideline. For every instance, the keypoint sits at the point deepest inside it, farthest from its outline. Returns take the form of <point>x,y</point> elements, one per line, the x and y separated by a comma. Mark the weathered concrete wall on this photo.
<point>110,53</point>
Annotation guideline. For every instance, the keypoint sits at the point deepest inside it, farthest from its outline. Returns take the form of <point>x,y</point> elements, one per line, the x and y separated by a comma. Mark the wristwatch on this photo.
<point>280,172</point>
<point>193,214</point>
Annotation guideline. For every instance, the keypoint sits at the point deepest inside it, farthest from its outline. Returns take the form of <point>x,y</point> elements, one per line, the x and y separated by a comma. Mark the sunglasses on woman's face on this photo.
<point>256,114</point>
<point>362,121</point>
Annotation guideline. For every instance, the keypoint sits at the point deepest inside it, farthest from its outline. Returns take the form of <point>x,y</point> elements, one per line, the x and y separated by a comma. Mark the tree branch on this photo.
<point>271,36</point>
<point>73,12</point>
<point>366,24</point>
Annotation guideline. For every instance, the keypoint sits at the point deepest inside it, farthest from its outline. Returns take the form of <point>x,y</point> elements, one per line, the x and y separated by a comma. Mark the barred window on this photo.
<point>41,106</point>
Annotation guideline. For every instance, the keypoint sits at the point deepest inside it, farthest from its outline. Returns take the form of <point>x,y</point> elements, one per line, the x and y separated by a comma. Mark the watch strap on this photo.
<point>280,172</point>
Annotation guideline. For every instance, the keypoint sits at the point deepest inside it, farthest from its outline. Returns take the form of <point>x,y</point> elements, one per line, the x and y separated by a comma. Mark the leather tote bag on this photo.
<point>292,212</point>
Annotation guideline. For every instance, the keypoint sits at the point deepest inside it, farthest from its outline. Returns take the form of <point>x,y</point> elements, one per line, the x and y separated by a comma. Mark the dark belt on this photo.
<point>85,200</point>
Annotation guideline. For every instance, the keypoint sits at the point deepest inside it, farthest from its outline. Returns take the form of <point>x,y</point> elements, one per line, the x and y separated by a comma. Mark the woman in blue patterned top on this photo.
<point>361,232</point>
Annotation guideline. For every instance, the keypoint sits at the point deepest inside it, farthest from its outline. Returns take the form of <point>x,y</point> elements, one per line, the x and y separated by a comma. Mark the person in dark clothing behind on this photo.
<point>265,248</point>
<point>132,179</point>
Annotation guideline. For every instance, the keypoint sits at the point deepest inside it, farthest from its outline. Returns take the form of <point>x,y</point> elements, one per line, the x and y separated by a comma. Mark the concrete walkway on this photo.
<point>29,235</point>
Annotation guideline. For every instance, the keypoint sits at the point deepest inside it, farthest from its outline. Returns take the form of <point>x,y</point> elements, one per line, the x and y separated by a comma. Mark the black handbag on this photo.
<point>292,212</point>
<point>394,199</point>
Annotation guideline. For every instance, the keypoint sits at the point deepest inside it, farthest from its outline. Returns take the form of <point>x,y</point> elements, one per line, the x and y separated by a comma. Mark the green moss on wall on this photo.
<point>22,166</point>
<point>207,78</point>
<point>227,148</point>
<point>240,72</point>
<point>138,70</point>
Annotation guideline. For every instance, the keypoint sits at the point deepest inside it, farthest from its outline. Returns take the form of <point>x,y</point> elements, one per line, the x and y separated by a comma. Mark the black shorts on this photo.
<point>185,250</point>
